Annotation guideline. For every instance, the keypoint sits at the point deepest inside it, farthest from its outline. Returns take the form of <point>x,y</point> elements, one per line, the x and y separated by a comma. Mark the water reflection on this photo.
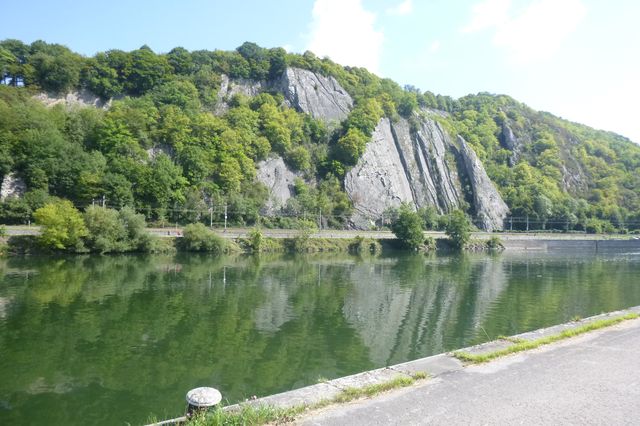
<point>105,340</point>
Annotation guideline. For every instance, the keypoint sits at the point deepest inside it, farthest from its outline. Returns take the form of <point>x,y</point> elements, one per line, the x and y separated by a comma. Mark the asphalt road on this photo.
<point>593,379</point>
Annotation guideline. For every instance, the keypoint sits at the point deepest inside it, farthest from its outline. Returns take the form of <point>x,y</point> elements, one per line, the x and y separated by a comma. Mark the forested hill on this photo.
<point>176,135</point>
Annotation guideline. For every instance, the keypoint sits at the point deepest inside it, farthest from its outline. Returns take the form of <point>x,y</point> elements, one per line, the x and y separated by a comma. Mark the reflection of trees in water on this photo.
<point>90,333</point>
<point>125,325</point>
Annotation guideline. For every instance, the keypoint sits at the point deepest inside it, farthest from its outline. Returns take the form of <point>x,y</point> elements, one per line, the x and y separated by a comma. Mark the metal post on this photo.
<point>527,223</point>
<point>104,200</point>
<point>320,219</point>
<point>201,399</point>
<point>511,223</point>
<point>225,218</point>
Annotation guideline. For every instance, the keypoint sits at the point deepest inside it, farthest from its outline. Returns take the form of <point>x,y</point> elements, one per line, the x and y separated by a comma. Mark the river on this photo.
<point>116,339</point>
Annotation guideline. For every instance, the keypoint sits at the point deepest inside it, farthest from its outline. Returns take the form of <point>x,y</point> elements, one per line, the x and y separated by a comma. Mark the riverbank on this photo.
<point>440,370</point>
<point>22,240</point>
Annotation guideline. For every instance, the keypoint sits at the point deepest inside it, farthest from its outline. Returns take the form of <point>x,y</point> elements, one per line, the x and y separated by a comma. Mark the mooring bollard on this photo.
<point>201,399</point>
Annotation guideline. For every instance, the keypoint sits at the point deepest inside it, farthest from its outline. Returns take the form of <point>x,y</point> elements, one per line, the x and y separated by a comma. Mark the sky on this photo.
<point>578,59</point>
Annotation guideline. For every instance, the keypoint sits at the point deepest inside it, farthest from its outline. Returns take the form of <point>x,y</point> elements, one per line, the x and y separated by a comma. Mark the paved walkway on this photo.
<point>593,379</point>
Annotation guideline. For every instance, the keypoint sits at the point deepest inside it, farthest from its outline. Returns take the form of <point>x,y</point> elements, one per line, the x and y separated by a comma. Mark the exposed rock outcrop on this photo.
<point>489,206</point>
<point>82,98</point>
<point>404,164</point>
<point>321,97</point>
<point>379,180</point>
<point>276,176</point>
<point>12,186</point>
<point>230,88</point>
<point>398,166</point>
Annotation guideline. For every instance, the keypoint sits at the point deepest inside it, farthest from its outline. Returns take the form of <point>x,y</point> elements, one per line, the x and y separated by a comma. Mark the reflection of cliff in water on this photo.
<point>420,306</point>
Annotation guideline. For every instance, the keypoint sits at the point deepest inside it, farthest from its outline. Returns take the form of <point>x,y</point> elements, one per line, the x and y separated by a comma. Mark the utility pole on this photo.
<point>320,219</point>
<point>225,218</point>
<point>527,223</point>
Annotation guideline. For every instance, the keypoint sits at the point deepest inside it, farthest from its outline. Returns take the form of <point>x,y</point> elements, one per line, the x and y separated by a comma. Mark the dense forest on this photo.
<point>161,148</point>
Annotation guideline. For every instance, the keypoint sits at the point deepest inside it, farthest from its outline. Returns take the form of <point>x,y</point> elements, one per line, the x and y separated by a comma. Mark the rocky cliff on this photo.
<point>417,166</point>
<point>277,177</point>
<point>490,209</point>
<point>320,96</point>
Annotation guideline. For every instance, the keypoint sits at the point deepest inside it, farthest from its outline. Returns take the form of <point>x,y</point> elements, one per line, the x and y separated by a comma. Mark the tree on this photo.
<point>458,230</point>
<point>351,146</point>
<point>408,227</point>
<point>106,232</point>
<point>62,226</point>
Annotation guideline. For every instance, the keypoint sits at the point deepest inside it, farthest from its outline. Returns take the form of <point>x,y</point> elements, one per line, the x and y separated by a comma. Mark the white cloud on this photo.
<point>402,9</point>
<point>434,47</point>
<point>487,14</point>
<point>344,31</point>
<point>534,34</point>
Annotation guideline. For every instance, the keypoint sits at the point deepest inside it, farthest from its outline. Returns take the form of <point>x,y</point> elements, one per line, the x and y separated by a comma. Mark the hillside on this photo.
<point>289,140</point>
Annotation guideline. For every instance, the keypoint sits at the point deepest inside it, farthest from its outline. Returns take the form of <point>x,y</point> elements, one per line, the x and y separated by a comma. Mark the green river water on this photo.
<point>120,339</point>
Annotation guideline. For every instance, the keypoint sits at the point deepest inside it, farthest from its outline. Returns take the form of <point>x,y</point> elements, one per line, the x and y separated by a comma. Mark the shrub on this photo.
<point>458,230</point>
<point>106,232</point>
<point>197,237</point>
<point>256,240</point>
<point>593,226</point>
<point>62,227</point>
<point>408,227</point>
<point>494,243</point>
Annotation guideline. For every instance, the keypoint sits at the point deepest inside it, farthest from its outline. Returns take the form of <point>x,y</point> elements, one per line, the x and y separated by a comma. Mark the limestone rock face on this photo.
<point>398,166</point>
<point>510,142</point>
<point>405,164</point>
<point>12,186</point>
<point>490,208</point>
<point>379,180</point>
<point>321,97</point>
<point>276,176</point>
<point>82,98</point>
<point>229,88</point>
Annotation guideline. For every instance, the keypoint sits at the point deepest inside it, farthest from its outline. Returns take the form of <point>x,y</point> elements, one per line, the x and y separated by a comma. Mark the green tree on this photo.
<point>351,146</point>
<point>458,230</point>
<point>62,226</point>
<point>407,227</point>
<point>106,232</point>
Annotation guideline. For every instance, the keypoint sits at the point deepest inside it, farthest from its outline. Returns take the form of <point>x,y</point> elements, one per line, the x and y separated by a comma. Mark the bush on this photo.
<point>197,237</point>
<point>3,231</point>
<point>458,230</point>
<point>62,227</point>
<point>430,244</point>
<point>408,227</point>
<point>494,243</point>
<point>593,226</point>
<point>111,231</point>
<point>106,232</point>
<point>256,240</point>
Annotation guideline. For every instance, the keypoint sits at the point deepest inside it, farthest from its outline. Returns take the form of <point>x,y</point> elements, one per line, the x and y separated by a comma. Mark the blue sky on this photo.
<point>579,59</point>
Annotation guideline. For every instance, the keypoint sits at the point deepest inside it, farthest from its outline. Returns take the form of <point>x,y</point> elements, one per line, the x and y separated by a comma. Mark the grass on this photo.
<point>263,414</point>
<point>525,345</point>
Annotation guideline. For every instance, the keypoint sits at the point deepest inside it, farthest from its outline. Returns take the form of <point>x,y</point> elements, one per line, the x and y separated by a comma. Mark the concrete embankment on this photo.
<point>581,245</point>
